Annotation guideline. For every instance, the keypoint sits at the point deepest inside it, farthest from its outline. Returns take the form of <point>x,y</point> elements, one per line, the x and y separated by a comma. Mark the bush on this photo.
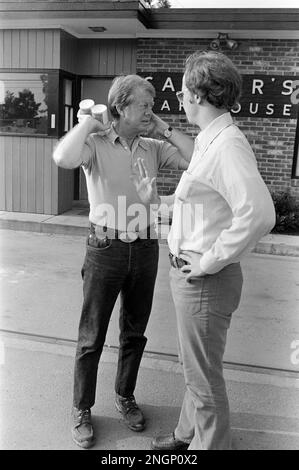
<point>287,213</point>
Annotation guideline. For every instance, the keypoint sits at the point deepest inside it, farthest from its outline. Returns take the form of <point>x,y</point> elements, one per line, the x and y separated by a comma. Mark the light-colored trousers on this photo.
<point>204,308</point>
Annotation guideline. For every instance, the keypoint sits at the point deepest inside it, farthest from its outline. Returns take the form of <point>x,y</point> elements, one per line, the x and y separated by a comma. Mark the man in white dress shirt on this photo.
<point>222,207</point>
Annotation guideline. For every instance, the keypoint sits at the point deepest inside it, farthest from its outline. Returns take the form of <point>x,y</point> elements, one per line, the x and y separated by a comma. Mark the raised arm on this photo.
<point>71,150</point>
<point>183,142</point>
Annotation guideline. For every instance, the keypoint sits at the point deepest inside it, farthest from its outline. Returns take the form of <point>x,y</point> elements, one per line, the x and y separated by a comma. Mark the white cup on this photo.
<point>99,112</point>
<point>86,106</point>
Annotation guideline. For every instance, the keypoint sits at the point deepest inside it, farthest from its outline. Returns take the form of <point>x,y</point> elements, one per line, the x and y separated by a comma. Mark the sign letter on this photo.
<point>257,85</point>
<point>168,84</point>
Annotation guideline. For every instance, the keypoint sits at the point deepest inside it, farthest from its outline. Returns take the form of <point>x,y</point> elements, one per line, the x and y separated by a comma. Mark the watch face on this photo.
<point>168,132</point>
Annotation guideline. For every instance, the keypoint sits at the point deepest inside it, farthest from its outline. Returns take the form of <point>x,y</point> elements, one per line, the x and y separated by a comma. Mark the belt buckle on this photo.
<point>100,232</point>
<point>128,237</point>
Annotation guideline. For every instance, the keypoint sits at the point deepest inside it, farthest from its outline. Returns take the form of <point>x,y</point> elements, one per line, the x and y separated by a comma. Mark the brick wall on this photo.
<point>272,139</point>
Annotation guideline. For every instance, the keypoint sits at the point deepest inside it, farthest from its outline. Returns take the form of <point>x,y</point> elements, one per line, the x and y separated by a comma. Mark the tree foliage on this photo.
<point>21,107</point>
<point>158,3</point>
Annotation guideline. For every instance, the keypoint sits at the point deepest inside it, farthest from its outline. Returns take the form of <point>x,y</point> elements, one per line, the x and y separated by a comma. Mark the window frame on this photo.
<point>55,100</point>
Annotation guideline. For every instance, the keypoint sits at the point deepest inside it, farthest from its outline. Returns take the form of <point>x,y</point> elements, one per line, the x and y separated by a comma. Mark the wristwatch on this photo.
<point>168,132</point>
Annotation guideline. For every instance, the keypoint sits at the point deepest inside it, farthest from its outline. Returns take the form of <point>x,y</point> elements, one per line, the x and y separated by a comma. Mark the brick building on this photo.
<point>57,53</point>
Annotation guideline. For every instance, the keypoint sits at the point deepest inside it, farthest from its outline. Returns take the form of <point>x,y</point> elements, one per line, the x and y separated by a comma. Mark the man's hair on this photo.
<point>122,90</point>
<point>213,76</point>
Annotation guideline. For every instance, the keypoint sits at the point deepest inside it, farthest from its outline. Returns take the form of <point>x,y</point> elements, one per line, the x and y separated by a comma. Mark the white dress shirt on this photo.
<point>222,206</point>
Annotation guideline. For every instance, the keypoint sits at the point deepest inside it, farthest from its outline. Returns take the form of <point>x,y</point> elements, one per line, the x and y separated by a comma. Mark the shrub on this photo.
<point>287,213</point>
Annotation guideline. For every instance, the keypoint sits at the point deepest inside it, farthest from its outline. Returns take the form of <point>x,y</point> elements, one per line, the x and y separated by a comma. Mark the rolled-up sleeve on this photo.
<point>88,153</point>
<point>168,156</point>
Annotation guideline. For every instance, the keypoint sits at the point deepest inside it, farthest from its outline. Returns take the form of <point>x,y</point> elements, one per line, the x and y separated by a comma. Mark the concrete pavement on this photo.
<point>42,295</point>
<point>36,390</point>
<point>37,366</point>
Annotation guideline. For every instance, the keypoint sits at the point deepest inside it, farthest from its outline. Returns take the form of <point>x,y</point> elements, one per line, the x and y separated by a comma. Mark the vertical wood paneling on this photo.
<point>106,57</point>
<point>30,181</point>
<point>24,169</point>
<point>68,52</point>
<point>16,183</point>
<point>56,50</point>
<point>48,49</point>
<point>23,49</point>
<point>32,49</point>
<point>54,186</point>
<point>119,60</point>
<point>40,48</point>
<point>31,175</point>
<point>111,63</point>
<point>102,53</point>
<point>15,54</point>
<point>8,173</point>
<point>7,49</point>
<point>39,165</point>
<point>129,61</point>
<point>1,48</point>
<point>47,176</point>
<point>2,176</point>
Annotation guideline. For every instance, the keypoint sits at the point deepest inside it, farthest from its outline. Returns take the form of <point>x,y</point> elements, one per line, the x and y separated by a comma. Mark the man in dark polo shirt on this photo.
<point>122,249</point>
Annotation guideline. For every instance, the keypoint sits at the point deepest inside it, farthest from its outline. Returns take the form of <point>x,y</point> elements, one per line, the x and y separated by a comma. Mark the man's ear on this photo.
<point>119,110</point>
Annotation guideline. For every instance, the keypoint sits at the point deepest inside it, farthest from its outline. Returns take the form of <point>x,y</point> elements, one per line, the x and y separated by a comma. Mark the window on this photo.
<point>68,104</point>
<point>24,103</point>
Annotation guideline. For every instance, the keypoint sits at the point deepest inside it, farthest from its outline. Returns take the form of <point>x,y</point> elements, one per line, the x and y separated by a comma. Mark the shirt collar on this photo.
<point>113,136</point>
<point>206,136</point>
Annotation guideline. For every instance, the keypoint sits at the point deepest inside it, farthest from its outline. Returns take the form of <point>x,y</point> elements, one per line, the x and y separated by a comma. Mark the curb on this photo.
<point>263,247</point>
<point>280,249</point>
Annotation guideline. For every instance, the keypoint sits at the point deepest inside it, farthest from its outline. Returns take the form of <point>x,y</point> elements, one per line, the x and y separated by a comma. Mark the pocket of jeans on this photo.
<point>228,292</point>
<point>188,296</point>
<point>98,244</point>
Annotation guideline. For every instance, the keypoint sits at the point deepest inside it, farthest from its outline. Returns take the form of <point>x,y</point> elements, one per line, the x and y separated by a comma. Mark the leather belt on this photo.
<point>177,262</point>
<point>102,232</point>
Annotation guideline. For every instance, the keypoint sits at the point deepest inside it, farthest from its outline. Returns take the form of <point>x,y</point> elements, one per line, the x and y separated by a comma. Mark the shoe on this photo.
<point>82,431</point>
<point>130,412</point>
<point>168,442</point>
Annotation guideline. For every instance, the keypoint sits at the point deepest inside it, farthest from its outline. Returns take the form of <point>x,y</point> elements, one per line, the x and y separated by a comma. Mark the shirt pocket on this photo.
<point>187,187</point>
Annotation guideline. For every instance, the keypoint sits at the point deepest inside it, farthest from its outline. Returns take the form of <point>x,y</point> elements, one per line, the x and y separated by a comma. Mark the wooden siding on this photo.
<point>29,49</point>
<point>55,49</point>
<point>29,179</point>
<point>68,52</point>
<point>106,57</point>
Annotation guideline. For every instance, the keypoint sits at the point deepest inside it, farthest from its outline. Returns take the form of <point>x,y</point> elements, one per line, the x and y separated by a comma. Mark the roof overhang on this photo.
<point>119,18</point>
<point>131,19</point>
<point>281,23</point>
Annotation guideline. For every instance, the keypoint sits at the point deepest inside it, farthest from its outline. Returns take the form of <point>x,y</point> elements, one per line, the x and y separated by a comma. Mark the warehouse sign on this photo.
<point>272,96</point>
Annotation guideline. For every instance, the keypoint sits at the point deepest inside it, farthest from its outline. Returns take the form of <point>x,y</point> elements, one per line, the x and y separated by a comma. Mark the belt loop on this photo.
<point>173,260</point>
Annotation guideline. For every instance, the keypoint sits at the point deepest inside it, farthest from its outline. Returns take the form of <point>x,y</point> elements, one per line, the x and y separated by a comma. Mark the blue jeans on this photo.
<point>129,269</point>
<point>204,309</point>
